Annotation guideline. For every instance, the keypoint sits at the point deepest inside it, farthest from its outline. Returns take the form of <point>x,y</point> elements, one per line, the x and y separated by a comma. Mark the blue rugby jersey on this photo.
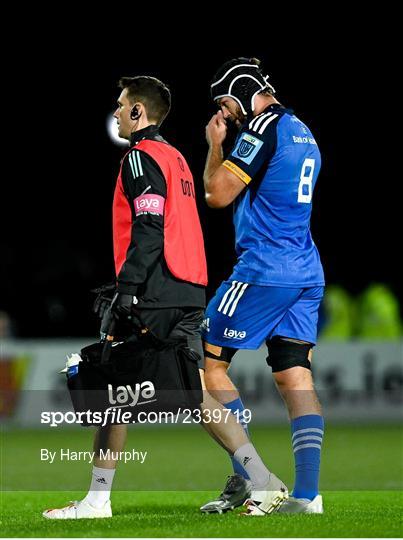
<point>277,157</point>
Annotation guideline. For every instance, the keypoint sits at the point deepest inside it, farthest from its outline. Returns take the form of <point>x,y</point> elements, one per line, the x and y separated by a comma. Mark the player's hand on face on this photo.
<point>216,129</point>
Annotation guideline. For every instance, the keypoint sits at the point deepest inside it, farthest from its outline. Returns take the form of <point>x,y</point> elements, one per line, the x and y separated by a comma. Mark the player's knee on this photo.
<point>216,366</point>
<point>210,381</point>
<point>284,355</point>
<point>295,378</point>
<point>217,362</point>
<point>215,372</point>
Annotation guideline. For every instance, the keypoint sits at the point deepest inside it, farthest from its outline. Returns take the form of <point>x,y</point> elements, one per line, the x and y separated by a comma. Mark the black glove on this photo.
<point>103,299</point>
<point>122,305</point>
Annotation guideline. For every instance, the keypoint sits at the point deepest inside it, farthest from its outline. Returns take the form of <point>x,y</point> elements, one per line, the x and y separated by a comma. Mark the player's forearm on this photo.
<point>213,162</point>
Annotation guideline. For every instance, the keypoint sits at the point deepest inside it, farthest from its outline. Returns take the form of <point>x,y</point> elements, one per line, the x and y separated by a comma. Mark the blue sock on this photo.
<point>307,434</point>
<point>237,408</point>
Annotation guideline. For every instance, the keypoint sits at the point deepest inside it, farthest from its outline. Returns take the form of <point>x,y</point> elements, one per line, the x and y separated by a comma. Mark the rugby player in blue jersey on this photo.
<point>275,289</point>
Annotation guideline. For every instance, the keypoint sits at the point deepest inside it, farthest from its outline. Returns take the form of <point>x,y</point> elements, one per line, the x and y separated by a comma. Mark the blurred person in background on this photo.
<point>339,314</point>
<point>378,314</point>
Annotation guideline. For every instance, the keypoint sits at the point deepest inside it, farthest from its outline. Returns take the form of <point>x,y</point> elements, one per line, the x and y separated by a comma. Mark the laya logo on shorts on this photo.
<point>125,393</point>
<point>247,148</point>
<point>234,334</point>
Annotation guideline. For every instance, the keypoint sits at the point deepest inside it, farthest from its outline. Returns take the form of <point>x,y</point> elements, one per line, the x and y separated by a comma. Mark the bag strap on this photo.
<point>107,348</point>
<point>144,330</point>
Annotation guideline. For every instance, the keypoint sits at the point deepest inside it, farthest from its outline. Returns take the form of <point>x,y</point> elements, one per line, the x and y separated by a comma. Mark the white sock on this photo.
<point>101,485</point>
<point>258,473</point>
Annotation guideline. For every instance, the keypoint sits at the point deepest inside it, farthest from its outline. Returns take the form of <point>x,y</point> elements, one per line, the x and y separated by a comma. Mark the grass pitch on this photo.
<point>361,483</point>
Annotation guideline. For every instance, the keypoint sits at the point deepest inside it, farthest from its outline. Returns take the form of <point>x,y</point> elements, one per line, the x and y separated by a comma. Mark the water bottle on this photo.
<point>72,362</point>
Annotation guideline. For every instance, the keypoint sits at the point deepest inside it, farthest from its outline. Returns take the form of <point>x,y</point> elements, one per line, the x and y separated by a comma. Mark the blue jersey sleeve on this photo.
<point>255,146</point>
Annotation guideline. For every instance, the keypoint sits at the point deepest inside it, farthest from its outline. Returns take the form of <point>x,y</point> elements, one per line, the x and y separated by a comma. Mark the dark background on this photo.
<point>56,241</point>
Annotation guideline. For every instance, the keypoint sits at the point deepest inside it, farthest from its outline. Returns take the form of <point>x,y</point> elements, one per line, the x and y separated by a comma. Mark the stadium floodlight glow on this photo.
<point>112,129</point>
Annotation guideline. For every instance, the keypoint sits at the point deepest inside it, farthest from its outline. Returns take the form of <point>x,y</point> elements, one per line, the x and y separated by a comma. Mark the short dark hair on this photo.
<point>151,92</point>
